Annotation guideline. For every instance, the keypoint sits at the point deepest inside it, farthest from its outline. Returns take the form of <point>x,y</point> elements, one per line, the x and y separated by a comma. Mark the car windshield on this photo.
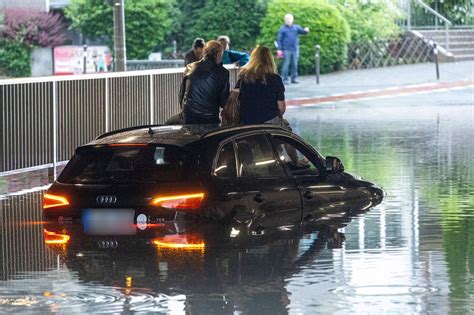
<point>128,164</point>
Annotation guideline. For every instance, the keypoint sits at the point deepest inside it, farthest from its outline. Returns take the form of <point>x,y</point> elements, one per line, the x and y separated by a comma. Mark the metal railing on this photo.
<point>134,65</point>
<point>437,17</point>
<point>44,119</point>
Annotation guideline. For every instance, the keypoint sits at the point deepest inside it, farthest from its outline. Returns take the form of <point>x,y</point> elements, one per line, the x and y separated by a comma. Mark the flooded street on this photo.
<point>413,253</point>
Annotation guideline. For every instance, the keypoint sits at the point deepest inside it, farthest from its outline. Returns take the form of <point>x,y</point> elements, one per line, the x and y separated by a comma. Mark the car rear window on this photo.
<point>128,164</point>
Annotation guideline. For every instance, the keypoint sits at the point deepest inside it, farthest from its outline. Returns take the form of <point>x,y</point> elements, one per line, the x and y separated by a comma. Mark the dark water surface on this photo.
<point>414,253</point>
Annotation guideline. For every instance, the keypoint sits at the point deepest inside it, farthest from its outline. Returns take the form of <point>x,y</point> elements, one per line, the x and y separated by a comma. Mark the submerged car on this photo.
<point>256,174</point>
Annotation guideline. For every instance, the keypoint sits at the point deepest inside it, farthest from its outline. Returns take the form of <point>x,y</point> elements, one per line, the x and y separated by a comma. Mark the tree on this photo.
<point>147,23</point>
<point>370,21</point>
<point>328,28</point>
<point>239,20</point>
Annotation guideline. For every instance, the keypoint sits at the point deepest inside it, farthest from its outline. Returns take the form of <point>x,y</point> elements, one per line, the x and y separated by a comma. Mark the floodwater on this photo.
<point>413,253</point>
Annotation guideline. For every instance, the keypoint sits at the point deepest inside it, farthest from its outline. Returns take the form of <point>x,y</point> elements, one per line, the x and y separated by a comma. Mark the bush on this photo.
<point>239,20</point>
<point>147,23</point>
<point>370,21</point>
<point>327,28</point>
<point>23,29</point>
<point>15,59</point>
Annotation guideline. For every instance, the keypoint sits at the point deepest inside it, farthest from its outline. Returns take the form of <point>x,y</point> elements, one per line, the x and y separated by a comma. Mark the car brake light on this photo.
<point>50,201</point>
<point>55,238</point>
<point>177,241</point>
<point>184,201</point>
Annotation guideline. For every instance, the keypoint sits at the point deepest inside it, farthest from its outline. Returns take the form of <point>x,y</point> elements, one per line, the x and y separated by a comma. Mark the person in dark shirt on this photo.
<point>262,93</point>
<point>287,42</point>
<point>195,53</point>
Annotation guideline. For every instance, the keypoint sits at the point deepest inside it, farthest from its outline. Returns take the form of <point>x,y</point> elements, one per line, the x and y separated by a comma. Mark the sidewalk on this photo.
<point>372,80</point>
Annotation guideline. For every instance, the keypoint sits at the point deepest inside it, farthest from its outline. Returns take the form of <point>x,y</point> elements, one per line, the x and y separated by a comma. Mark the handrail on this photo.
<point>447,22</point>
<point>434,12</point>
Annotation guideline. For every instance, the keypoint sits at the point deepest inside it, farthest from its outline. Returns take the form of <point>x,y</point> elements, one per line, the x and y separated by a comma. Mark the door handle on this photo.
<point>308,194</point>
<point>258,198</point>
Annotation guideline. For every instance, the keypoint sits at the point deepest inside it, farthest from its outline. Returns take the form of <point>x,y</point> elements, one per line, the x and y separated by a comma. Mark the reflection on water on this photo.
<point>413,253</point>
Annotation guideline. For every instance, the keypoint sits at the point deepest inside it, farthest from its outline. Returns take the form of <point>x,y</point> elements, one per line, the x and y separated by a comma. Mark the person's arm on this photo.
<point>182,91</point>
<point>237,56</point>
<point>301,30</point>
<point>280,42</point>
<point>281,96</point>
<point>281,107</point>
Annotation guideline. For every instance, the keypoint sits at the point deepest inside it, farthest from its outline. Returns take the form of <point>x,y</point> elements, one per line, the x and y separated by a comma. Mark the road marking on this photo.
<point>382,93</point>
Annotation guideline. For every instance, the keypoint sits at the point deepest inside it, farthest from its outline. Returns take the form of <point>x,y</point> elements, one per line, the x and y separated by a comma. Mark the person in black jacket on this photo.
<point>204,89</point>
<point>195,53</point>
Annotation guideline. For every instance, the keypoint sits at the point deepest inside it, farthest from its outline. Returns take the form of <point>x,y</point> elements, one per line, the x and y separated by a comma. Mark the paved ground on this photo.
<point>354,82</point>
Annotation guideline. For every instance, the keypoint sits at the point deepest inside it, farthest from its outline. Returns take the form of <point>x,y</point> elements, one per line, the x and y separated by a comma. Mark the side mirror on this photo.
<point>334,165</point>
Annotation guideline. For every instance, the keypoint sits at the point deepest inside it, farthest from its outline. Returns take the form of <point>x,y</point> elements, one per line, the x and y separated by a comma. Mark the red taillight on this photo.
<point>182,201</point>
<point>55,238</point>
<point>51,201</point>
<point>180,241</point>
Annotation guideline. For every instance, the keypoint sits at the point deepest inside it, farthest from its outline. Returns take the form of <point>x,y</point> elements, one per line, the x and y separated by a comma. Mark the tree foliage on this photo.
<point>239,20</point>
<point>370,21</point>
<point>327,27</point>
<point>147,23</point>
<point>23,29</point>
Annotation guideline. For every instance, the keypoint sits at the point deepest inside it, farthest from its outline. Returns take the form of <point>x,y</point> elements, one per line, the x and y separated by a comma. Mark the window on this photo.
<point>295,157</point>
<point>128,164</point>
<point>256,158</point>
<point>225,166</point>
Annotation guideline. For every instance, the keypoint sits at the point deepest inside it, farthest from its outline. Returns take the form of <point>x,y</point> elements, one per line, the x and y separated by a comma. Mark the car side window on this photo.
<point>295,157</point>
<point>256,158</point>
<point>225,166</point>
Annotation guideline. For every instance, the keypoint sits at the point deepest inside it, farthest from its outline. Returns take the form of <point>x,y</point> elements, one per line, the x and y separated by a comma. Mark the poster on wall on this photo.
<point>70,59</point>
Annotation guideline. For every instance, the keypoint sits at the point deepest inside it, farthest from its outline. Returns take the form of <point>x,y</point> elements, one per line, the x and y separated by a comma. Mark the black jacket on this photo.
<point>204,89</point>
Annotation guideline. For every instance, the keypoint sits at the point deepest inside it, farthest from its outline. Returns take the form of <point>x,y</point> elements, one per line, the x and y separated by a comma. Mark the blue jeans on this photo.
<point>290,60</point>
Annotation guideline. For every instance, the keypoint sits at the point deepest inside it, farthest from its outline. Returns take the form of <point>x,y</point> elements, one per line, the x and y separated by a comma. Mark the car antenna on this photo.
<point>150,131</point>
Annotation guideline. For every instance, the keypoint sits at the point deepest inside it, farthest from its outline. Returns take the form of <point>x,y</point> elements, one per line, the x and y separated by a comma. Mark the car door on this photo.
<point>270,193</point>
<point>229,191</point>
<point>318,194</point>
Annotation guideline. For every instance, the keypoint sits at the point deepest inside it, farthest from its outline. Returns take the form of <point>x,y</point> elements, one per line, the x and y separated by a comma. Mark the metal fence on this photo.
<point>44,119</point>
<point>135,65</point>
<point>401,51</point>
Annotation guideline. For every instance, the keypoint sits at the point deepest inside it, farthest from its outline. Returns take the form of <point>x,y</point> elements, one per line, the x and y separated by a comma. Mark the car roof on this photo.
<point>180,135</point>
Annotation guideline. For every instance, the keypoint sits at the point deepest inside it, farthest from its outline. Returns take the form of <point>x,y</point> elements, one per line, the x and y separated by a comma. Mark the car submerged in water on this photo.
<point>258,175</point>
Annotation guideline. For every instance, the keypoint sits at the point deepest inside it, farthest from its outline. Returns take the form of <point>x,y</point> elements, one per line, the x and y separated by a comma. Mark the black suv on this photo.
<point>150,174</point>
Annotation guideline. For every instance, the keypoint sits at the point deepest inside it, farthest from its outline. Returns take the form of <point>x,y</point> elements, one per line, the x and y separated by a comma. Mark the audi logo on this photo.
<point>106,200</point>
<point>107,244</point>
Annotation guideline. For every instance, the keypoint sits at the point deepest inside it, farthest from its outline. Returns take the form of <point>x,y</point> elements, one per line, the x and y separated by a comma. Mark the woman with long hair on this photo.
<point>204,88</point>
<point>262,93</point>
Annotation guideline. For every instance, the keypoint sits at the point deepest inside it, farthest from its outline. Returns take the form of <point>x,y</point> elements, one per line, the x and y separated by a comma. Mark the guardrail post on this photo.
<point>317,60</point>
<point>446,25</point>
<point>152,107</point>
<point>55,131</point>
<point>435,52</point>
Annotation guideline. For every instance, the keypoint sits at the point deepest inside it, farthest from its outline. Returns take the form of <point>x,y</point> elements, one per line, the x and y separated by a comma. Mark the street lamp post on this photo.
<point>119,35</point>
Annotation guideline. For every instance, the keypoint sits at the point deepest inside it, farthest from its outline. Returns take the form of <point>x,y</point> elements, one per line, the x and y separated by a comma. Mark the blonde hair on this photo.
<point>260,65</point>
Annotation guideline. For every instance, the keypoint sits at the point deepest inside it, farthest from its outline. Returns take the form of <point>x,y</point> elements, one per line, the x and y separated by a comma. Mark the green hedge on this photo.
<point>370,21</point>
<point>327,27</point>
<point>15,59</point>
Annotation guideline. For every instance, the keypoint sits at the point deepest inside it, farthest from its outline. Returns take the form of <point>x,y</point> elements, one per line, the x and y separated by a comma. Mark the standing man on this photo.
<point>288,47</point>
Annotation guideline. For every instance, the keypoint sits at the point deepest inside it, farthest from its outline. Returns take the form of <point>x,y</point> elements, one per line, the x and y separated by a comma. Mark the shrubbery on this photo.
<point>370,21</point>
<point>327,27</point>
<point>23,29</point>
<point>240,20</point>
<point>147,23</point>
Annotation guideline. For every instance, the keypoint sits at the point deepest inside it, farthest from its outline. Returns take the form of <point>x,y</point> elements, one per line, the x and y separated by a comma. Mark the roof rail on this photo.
<point>241,127</point>
<point>110,133</point>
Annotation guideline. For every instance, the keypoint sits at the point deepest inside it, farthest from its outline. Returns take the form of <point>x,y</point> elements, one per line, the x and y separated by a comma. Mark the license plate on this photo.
<point>108,221</point>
